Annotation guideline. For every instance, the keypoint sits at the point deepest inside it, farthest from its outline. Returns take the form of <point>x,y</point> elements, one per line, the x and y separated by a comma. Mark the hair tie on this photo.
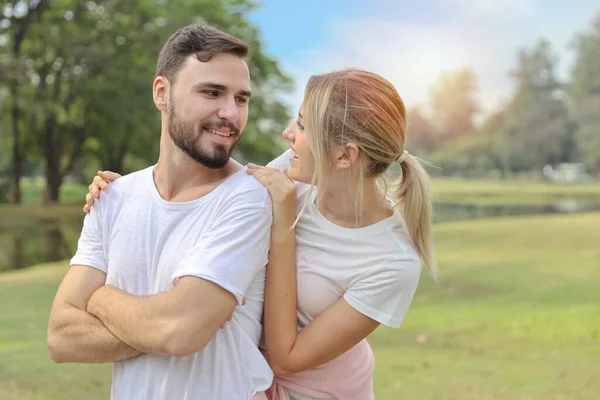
<point>402,157</point>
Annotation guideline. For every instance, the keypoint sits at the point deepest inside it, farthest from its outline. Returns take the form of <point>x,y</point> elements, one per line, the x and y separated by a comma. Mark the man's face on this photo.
<point>208,108</point>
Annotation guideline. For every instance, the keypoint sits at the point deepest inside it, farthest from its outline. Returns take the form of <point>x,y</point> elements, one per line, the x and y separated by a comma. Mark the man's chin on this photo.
<point>215,161</point>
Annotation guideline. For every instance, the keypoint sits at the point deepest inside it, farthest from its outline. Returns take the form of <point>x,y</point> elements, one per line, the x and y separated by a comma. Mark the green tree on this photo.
<point>584,91</point>
<point>16,20</point>
<point>422,138</point>
<point>537,129</point>
<point>85,78</point>
<point>454,104</point>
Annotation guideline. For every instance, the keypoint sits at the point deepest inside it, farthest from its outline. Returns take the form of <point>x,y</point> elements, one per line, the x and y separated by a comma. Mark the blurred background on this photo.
<point>503,100</point>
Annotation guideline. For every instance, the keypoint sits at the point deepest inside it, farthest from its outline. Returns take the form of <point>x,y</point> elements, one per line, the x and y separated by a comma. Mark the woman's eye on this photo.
<point>300,126</point>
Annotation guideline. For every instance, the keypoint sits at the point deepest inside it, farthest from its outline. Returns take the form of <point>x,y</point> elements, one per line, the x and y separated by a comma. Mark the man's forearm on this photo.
<point>130,319</point>
<point>77,336</point>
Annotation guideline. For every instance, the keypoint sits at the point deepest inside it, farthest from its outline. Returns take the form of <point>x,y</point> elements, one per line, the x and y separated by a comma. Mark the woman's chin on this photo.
<point>293,175</point>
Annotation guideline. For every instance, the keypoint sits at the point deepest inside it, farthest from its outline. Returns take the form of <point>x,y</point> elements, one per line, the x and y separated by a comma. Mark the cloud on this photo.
<point>486,8</point>
<point>481,34</point>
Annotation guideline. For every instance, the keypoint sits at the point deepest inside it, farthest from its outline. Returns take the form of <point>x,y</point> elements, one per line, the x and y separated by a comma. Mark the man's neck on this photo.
<point>179,178</point>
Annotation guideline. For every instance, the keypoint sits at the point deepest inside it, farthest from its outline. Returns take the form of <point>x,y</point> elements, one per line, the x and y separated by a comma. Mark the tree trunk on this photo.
<point>53,183</point>
<point>54,245</point>
<point>52,152</point>
<point>115,163</point>
<point>18,37</point>
<point>17,156</point>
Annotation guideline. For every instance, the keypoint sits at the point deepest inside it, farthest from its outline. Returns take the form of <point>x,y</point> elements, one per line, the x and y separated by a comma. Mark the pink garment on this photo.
<point>348,377</point>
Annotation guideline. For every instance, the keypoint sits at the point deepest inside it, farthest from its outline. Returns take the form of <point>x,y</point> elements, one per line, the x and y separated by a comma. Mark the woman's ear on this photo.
<point>345,156</point>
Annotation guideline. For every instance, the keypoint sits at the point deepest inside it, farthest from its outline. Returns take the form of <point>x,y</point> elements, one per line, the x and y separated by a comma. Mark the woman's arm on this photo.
<point>331,334</point>
<point>335,331</point>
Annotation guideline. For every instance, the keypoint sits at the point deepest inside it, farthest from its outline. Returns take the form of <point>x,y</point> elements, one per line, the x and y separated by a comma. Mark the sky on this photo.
<point>411,42</point>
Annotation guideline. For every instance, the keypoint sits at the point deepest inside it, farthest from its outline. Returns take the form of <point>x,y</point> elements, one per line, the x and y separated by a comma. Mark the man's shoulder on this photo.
<point>132,180</point>
<point>244,189</point>
<point>130,186</point>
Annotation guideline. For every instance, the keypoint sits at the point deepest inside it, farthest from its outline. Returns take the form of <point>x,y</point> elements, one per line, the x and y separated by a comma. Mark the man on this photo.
<point>164,259</point>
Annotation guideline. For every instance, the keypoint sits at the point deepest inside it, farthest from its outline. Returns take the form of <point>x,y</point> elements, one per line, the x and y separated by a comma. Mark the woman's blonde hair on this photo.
<point>360,107</point>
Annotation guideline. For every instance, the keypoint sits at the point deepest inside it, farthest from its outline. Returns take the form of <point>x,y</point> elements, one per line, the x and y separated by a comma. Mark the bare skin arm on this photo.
<point>332,333</point>
<point>176,322</point>
<point>73,334</point>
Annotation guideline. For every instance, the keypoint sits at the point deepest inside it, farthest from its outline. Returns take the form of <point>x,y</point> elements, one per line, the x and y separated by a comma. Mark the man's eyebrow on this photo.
<point>218,86</point>
<point>245,93</point>
<point>209,85</point>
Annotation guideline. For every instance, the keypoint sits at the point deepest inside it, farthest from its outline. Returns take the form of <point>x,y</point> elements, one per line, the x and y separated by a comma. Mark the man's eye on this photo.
<point>211,93</point>
<point>242,100</point>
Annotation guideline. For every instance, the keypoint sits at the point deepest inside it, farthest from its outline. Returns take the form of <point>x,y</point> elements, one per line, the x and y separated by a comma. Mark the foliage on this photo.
<point>84,71</point>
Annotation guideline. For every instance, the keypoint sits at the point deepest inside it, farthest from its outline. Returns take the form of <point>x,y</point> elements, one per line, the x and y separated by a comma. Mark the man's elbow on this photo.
<point>56,347</point>
<point>181,341</point>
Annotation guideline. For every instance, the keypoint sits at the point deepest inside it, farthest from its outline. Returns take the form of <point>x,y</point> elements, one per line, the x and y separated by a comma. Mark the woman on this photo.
<point>344,258</point>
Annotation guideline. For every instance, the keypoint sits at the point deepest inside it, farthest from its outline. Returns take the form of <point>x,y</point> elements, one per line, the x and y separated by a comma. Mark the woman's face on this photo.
<point>302,163</point>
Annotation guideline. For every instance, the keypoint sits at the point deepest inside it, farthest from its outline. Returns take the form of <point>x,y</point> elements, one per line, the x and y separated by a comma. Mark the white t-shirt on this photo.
<point>145,243</point>
<point>375,268</point>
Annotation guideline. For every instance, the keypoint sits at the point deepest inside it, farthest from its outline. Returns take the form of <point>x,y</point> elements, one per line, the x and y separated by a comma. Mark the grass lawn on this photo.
<point>516,316</point>
<point>491,192</point>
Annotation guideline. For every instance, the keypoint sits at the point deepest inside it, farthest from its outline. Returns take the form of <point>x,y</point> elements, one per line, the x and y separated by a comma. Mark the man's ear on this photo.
<point>345,156</point>
<point>160,93</point>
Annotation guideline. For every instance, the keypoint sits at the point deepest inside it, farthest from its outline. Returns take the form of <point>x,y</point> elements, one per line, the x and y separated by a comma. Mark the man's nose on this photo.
<point>229,111</point>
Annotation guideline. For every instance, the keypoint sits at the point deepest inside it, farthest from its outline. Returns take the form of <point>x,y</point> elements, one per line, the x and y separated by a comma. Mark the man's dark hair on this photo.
<point>201,40</point>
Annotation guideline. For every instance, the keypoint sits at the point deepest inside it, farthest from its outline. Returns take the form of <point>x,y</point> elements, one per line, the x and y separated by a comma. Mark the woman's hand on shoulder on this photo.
<point>282,190</point>
<point>99,183</point>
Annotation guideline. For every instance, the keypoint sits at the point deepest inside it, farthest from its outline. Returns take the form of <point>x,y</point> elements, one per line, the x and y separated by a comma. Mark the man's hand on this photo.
<point>73,334</point>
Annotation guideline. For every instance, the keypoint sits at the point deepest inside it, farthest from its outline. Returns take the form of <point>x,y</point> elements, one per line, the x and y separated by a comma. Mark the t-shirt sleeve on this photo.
<point>385,292</point>
<point>90,247</point>
<point>234,250</point>
<point>282,162</point>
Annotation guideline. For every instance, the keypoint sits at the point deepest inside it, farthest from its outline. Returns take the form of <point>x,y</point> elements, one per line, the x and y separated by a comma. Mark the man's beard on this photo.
<point>186,139</point>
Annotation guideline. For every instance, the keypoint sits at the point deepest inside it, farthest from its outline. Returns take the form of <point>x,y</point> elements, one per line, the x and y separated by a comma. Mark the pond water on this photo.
<point>454,212</point>
<point>38,241</point>
<point>53,239</point>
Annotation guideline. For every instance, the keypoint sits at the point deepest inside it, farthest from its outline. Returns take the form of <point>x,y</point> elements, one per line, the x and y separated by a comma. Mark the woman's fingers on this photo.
<point>94,190</point>
<point>262,178</point>
<point>108,176</point>
<point>100,183</point>
<point>88,203</point>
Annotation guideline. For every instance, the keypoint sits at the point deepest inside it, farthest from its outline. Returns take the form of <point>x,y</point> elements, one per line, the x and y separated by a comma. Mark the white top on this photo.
<point>376,268</point>
<point>145,243</point>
